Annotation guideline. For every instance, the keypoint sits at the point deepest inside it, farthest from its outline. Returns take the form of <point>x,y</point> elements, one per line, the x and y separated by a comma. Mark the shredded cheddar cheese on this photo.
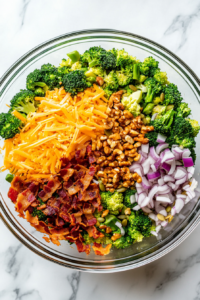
<point>54,131</point>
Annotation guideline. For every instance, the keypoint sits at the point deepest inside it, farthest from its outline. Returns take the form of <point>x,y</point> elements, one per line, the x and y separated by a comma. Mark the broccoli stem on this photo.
<point>150,95</point>
<point>74,56</point>
<point>148,109</point>
<point>136,72</point>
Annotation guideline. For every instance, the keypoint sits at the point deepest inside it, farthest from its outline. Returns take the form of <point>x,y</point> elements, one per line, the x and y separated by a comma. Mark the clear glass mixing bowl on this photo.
<point>178,72</point>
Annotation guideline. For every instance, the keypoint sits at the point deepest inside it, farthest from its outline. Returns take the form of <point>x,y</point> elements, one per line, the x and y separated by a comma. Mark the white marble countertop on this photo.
<point>23,25</point>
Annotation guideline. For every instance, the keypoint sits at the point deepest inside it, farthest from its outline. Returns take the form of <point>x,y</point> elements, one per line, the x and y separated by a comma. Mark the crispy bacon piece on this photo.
<point>70,210</point>
<point>22,201</point>
<point>82,248</point>
<point>49,189</point>
<point>66,173</point>
<point>99,250</point>
<point>12,194</point>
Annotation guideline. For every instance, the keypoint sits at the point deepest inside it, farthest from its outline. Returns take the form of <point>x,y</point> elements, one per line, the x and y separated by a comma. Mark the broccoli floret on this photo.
<point>66,63</point>
<point>39,81</point>
<point>113,202</point>
<point>131,102</point>
<point>9,125</point>
<point>97,56</point>
<point>163,123</point>
<point>149,66</point>
<point>123,58</point>
<point>108,92</point>
<point>108,61</point>
<point>127,194</point>
<point>159,109</point>
<point>183,110</point>
<point>111,81</point>
<point>41,216</point>
<point>195,126</point>
<point>89,240</point>
<point>75,82</point>
<point>24,102</point>
<point>98,71</point>
<point>123,242</point>
<point>123,78</point>
<point>157,100</point>
<point>153,87</point>
<point>76,66</point>
<point>142,87</point>
<point>152,136</point>
<point>161,77</point>
<point>139,226</point>
<point>172,96</point>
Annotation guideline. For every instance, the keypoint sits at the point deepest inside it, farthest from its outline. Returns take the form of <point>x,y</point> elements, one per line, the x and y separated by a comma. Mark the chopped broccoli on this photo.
<point>127,194</point>
<point>41,216</point>
<point>66,63</point>
<point>113,202</point>
<point>153,87</point>
<point>24,102</point>
<point>111,81</point>
<point>123,58</point>
<point>183,110</point>
<point>75,82</point>
<point>89,240</point>
<point>195,126</point>
<point>163,123</point>
<point>74,56</point>
<point>110,221</point>
<point>172,96</point>
<point>149,66</point>
<point>108,92</point>
<point>161,77</point>
<point>123,242</point>
<point>142,87</point>
<point>98,71</point>
<point>107,61</point>
<point>9,125</point>
<point>39,81</point>
<point>159,110</point>
<point>76,66</point>
<point>157,100</point>
<point>148,109</point>
<point>136,72</point>
<point>140,226</point>
<point>131,102</point>
<point>123,78</point>
<point>152,136</point>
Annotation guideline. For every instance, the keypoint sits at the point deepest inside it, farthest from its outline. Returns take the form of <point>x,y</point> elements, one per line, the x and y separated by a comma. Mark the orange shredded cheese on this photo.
<point>54,131</point>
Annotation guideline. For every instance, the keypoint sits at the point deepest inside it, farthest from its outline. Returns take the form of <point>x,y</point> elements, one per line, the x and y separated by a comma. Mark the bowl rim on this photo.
<point>3,79</point>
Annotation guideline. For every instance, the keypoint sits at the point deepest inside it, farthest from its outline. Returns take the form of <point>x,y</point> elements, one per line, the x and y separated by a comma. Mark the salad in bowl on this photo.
<point>100,150</point>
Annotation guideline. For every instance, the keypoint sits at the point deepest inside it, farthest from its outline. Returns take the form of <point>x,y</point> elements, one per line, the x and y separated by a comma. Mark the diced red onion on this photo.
<point>154,233</point>
<point>145,183</point>
<point>173,211</point>
<point>164,223</point>
<point>118,224</point>
<point>173,166</point>
<point>139,171</point>
<point>179,205</point>
<point>168,157</point>
<point>154,175</point>
<point>166,166</point>
<point>180,181</point>
<point>161,147</point>
<point>161,181</point>
<point>163,199</point>
<point>95,181</point>
<point>122,231</point>
<point>153,168</point>
<point>147,210</point>
<point>179,173</point>
<point>161,138</point>
<point>145,148</point>
<point>153,216</point>
<point>186,153</point>
<point>137,207</point>
<point>188,162</point>
<point>132,199</point>
<point>153,153</point>
<point>146,166</point>
<point>168,178</point>
<point>141,198</point>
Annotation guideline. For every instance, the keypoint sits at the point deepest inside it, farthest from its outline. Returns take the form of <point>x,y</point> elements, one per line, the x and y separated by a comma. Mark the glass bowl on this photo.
<point>178,72</point>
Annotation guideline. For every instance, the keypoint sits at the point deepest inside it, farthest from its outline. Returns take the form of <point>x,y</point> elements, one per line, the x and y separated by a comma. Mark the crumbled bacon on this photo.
<point>70,200</point>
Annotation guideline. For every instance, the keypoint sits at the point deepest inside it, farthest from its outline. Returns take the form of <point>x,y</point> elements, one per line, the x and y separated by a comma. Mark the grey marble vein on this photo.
<point>182,265</point>
<point>12,264</point>
<point>74,280</point>
<point>24,10</point>
<point>182,23</point>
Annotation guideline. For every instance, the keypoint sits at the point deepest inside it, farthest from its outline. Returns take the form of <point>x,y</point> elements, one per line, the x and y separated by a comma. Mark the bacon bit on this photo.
<point>33,220</point>
<point>99,250</point>
<point>82,248</point>
<point>46,239</point>
<point>12,194</point>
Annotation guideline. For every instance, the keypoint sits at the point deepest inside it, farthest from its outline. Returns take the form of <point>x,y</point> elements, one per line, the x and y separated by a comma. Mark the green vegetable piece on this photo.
<point>24,102</point>
<point>148,109</point>
<point>183,110</point>
<point>75,82</point>
<point>101,185</point>
<point>9,125</point>
<point>142,78</point>
<point>136,72</point>
<point>110,221</point>
<point>195,126</point>
<point>131,102</point>
<point>112,201</point>
<point>9,177</point>
<point>127,195</point>
<point>74,56</point>
<point>91,79</point>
